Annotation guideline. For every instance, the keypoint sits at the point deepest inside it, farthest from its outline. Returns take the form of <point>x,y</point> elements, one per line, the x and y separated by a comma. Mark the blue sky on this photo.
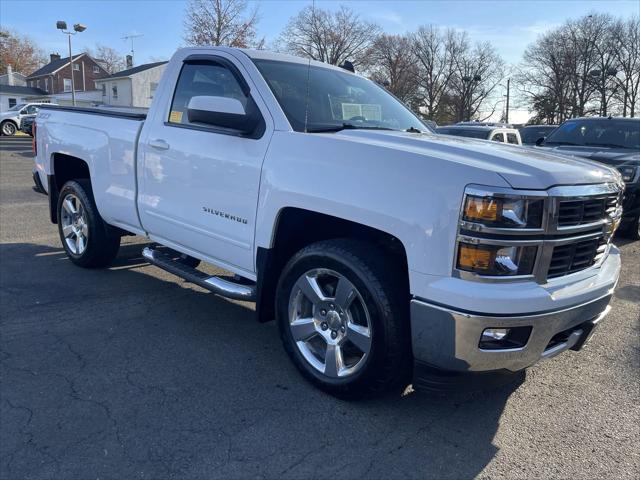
<point>509,24</point>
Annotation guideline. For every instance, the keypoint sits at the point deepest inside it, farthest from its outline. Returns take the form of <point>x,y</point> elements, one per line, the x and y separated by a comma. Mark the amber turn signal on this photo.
<point>474,258</point>
<point>481,208</point>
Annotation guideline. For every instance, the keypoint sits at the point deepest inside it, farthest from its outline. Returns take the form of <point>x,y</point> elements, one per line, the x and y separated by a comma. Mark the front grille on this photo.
<point>577,256</point>
<point>583,211</point>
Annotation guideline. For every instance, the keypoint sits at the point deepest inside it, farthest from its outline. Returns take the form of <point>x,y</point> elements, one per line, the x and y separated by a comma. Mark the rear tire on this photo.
<point>87,239</point>
<point>366,330</point>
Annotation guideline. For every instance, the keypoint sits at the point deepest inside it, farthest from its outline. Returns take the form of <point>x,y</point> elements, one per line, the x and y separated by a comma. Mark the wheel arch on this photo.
<point>64,168</point>
<point>295,228</point>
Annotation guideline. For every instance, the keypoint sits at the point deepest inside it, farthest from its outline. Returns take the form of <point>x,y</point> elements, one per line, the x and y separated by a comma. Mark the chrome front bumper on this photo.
<point>448,339</point>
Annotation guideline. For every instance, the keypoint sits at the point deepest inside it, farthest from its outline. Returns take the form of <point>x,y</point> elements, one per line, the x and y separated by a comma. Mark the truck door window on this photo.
<point>498,137</point>
<point>512,138</point>
<point>210,79</point>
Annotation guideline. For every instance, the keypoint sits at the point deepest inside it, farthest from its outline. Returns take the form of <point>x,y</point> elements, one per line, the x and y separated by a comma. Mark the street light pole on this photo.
<point>506,117</point>
<point>77,28</point>
<point>468,81</point>
<point>73,83</point>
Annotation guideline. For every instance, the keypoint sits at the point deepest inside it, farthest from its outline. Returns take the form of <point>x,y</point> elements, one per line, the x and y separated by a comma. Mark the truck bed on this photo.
<point>134,113</point>
<point>106,139</point>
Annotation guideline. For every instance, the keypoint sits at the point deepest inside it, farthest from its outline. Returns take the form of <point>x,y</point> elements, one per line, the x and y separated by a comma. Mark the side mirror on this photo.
<point>221,112</point>
<point>540,141</point>
<point>23,111</point>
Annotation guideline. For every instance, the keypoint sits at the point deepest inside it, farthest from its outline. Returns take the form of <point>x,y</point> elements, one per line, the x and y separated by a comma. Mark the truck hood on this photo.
<point>521,167</point>
<point>611,156</point>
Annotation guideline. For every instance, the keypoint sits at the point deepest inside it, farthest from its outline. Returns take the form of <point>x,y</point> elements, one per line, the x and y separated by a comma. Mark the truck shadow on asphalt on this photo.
<point>132,370</point>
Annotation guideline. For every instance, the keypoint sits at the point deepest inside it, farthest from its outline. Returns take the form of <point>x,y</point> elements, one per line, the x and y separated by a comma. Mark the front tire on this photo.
<point>633,230</point>
<point>88,241</point>
<point>8,128</point>
<point>343,318</point>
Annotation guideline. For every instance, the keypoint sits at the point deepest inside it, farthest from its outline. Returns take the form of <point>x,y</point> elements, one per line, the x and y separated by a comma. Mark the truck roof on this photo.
<point>269,55</point>
<point>586,119</point>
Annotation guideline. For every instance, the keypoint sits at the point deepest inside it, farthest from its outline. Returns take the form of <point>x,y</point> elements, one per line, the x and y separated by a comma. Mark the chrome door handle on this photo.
<point>159,144</point>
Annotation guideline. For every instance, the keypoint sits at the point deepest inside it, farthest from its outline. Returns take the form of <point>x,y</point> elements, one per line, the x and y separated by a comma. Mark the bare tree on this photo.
<point>391,64</point>
<point>110,59</point>
<point>477,73</point>
<point>20,52</point>
<point>626,50</point>
<point>434,51</point>
<point>330,37</point>
<point>545,74</point>
<point>582,67</point>
<point>221,22</point>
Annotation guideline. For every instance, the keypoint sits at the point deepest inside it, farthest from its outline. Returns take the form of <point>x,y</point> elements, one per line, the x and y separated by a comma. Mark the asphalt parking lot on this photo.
<point>131,373</point>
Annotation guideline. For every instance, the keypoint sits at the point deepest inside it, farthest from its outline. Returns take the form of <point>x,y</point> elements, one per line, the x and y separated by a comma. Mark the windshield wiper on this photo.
<point>610,145</point>
<point>344,126</point>
<point>562,143</point>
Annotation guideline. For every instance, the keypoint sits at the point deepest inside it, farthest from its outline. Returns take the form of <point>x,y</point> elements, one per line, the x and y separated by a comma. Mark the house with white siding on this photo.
<point>134,87</point>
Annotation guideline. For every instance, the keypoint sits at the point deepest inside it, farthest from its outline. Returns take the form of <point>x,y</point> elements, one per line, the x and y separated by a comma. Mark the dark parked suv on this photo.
<point>531,133</point>
<point>614,141</point>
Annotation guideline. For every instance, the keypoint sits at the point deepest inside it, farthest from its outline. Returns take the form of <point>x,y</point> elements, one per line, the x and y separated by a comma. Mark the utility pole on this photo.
<point>507,112</point>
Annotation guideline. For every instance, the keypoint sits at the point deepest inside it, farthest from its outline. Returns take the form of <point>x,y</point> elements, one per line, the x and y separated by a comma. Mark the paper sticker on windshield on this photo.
<point>175,116</point>
<point>367,110</point>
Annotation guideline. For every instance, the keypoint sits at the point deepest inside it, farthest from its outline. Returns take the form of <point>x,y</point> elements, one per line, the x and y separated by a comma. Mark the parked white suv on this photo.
<point>11,120</point>
<point>382,250</point>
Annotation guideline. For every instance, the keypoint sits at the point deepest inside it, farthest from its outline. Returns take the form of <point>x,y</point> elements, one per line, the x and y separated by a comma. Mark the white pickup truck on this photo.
<point>383,250</point>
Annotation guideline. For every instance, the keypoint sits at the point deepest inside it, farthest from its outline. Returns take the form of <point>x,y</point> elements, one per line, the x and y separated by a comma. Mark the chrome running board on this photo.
<point>214,284</point>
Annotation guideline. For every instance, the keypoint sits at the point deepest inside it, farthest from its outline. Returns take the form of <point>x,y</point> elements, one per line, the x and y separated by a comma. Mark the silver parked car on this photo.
<point>11,120</point>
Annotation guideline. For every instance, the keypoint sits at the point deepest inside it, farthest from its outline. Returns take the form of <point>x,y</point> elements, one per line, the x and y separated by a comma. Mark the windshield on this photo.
<point>20,106</point>
<point>336,100</point>
<point>610,133</point>
<point>464,132</point>
<point>531,134</point>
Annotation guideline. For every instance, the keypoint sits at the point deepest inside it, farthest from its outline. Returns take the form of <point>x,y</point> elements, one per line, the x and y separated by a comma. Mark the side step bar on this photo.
<point>214,284</point>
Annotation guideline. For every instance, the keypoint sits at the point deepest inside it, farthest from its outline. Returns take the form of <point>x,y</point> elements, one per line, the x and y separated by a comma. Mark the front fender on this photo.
<point>413,197</point>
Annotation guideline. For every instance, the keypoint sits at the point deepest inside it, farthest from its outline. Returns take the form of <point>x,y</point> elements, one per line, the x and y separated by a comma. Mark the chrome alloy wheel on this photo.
<point>330,323</point>
<point>74,224</point>
<point>8,129</point>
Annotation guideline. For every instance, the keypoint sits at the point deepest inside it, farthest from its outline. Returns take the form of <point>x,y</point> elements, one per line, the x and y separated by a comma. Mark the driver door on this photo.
<point>199,183</point>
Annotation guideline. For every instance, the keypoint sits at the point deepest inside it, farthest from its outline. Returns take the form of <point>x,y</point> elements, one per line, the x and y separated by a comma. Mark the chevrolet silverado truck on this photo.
<point>383,251</point>
<point>612,141</point>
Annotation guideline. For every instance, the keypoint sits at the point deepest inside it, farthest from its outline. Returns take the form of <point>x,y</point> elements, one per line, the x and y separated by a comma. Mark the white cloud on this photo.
<point>388,16</point>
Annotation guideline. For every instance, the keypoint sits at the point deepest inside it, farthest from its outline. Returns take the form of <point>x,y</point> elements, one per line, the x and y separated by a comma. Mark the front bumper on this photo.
<point>448,339</point>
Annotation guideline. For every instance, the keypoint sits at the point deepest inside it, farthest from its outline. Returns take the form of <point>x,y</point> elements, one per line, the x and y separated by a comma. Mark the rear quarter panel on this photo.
<point>108,146</point>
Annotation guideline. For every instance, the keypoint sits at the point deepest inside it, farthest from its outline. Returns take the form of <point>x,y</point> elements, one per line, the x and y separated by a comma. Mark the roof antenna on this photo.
<point>306,100</point>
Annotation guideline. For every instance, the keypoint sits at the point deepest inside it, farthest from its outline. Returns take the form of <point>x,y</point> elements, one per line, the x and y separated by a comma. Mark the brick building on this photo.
<point>55,77</point>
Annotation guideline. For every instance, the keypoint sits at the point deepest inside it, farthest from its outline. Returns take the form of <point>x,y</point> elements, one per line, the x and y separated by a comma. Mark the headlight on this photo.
<point>496,260</point>
<point>628,173</point>
<point>503,211</point>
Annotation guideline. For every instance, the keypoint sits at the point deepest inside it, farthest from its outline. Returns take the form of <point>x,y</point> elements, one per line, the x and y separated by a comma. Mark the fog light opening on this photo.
<point>504,338</point>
